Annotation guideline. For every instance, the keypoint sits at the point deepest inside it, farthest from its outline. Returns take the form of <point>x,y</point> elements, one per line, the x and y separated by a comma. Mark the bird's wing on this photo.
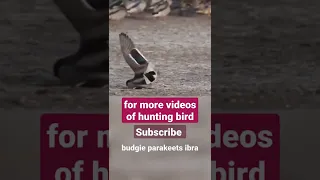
<point>137,62</point>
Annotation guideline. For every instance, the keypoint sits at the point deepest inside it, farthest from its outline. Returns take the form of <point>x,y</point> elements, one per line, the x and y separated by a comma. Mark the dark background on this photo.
<point>33,34</point>
<point>265,54</point>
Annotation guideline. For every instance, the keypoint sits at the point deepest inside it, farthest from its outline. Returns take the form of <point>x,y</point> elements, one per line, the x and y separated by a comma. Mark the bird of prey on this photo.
<point>144,72</point>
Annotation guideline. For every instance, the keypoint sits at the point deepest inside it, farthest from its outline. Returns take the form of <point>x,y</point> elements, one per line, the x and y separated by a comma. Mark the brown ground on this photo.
<point>266,54</point>
<point>179,48</point>
<point>35,34</point>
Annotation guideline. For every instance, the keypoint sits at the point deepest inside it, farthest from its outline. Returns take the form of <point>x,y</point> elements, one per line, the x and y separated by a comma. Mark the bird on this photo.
<point>135,6</point>
<point>204,7</point>
<point>160,8</point>
<point>152,3</point>
<point>144,71</point>
<point>117,11</point>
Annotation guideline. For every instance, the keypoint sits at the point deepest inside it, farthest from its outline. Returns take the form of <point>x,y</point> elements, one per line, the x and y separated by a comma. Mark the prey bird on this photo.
<point>117,11</point>
<point>144,71</point>
<point>160,8</point>
<point>135,6</point>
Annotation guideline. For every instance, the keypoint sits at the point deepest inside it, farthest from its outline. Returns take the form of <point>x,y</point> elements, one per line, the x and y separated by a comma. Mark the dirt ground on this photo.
<point>179,47</point>
<point>34,34</point>
<point>266,54</point>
